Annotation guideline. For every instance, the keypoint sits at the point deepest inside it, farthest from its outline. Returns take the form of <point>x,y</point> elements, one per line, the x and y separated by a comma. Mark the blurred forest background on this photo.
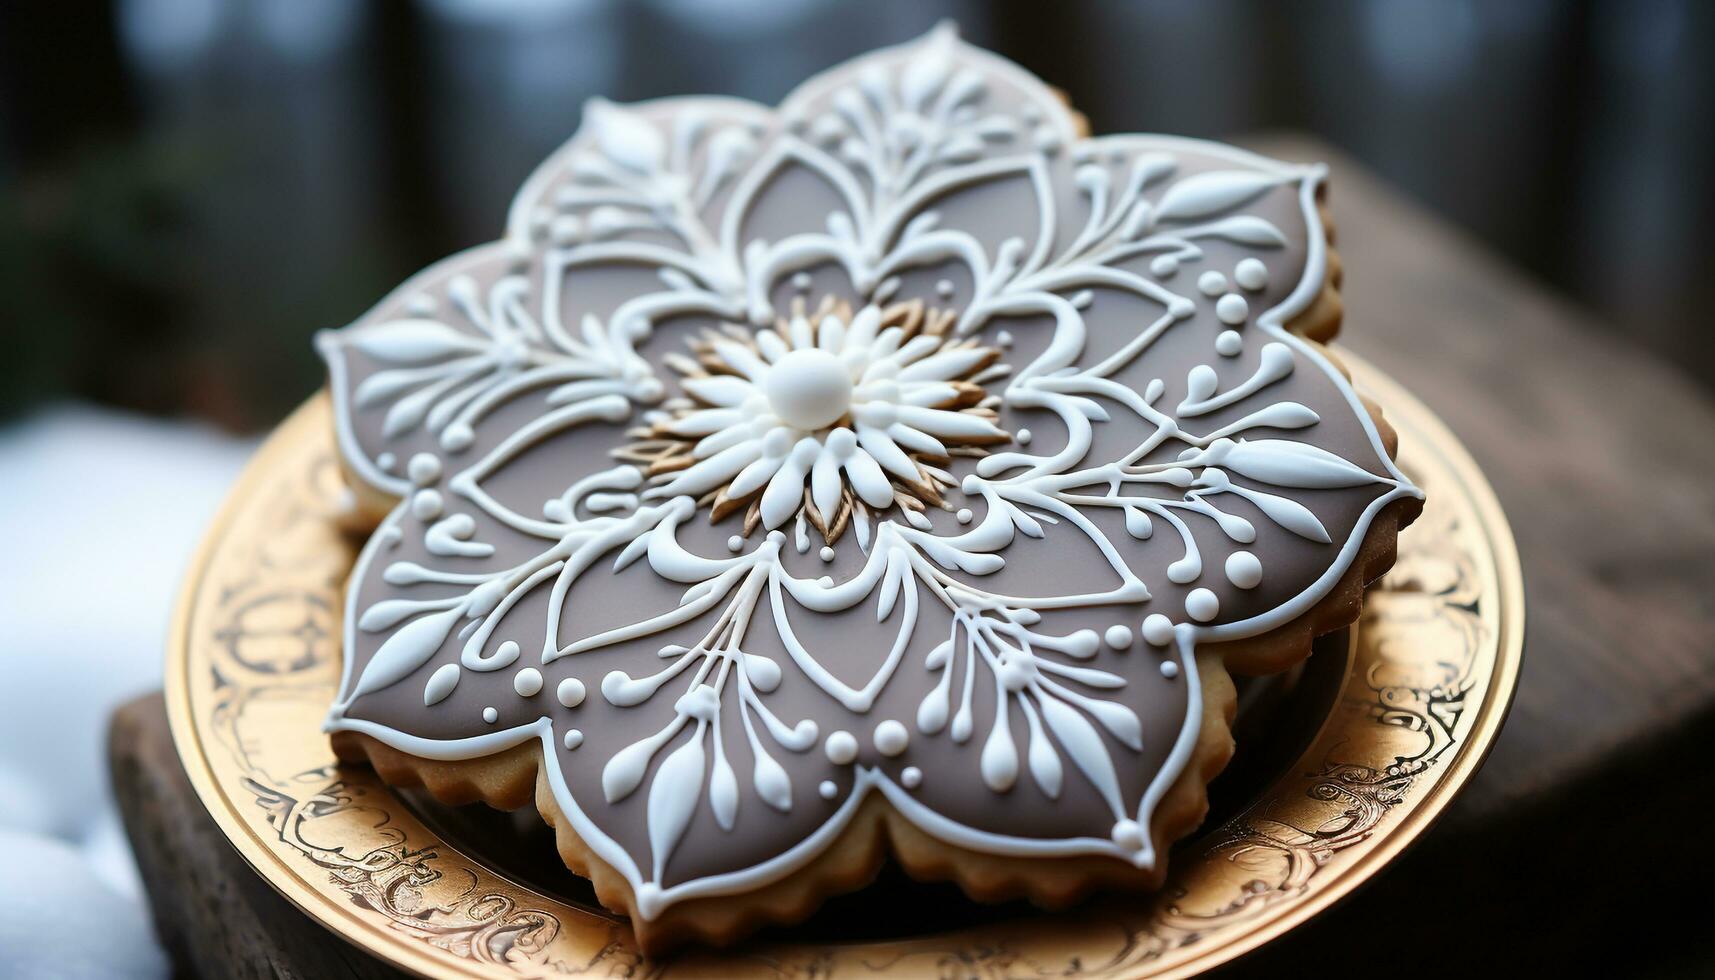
<point>189,188</point>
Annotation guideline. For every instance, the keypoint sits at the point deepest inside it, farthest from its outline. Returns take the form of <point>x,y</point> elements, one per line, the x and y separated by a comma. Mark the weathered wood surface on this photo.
<point>1574,846</point>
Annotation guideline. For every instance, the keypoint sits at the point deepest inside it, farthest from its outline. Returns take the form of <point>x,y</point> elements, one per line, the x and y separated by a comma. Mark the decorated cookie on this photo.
<point>895,472</point>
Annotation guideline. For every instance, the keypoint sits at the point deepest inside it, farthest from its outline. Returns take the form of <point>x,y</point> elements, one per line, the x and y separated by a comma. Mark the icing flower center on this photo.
<point>826,417</point>
<point>809,388</point>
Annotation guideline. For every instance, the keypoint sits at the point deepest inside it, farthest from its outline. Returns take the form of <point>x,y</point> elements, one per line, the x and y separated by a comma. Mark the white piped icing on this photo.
<point>1202,605</point>
<point>1157,630</point>
<point>1232,308</point>
<point>527,682</point>
<point>842,748</point>
<point>870,453</point>
<point>1251,274</point>
<point>570,692</point>
<point>891,738</point>
<point>1244,570</point>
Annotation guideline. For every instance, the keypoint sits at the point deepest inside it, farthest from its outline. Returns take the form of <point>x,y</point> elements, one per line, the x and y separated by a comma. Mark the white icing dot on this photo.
<point>1251,274</point>
<point>386,461</point>
<point>1211,283</point>
<point>808,388</point>
<point>1229,343</point>
<point>573,739</point>
<point>944,288</point>
<point>1023,437</point>
<point>891,738</point>
<point>842,748</point>
<point>1244,570</point>
<point>734,543</point>
<point>527,682</point>
<point>1164,266</point>
<point>426,505</point>
<point>964,515</point>
<point>1158,629</point>
<point>828,789</point>
<point>801,281</point>
<point>827,553</point>
<point>1128,835</point>
<point>490,715</point>
<point>1169,669</point>
<point>1232,309</point>
<point>1118,636</point>
<point>570,692</point>
<point>911,777</point>
<point>1202,605</point>
<point>1004,338</point>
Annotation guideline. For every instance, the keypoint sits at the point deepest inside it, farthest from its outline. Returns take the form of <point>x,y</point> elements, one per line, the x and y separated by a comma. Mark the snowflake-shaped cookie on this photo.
<point>898,442</point>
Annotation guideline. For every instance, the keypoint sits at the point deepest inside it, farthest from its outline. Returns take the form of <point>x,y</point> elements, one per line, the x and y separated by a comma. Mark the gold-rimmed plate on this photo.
<point>1379,733</point>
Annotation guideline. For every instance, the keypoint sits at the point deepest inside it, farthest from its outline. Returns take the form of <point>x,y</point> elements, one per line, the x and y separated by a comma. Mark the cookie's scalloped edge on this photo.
<point>510,779</point>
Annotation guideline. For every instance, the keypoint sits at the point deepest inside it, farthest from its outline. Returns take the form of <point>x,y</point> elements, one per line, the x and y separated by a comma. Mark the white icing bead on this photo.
<point>424,469</point>
<point>828,789</point>
<point>827,553</point>
<point>1157,630</point>
<point>735,543</point>
<point>1164,266</point>
<point>1232,308</point>
<point>801,281</point>
<point>1003,338</point>
<point>1251,274</point>
<point>570,692</point>
<point>1229,343</point>
<point>944,288</point>
<point>1023,437</point>
<point>911,777</point>
<point>573,739</point>
<point>1244,569</point>
<point>1202,605</point>
<point>841,747</point>
<point>1169,669</point>
<point>964,516</point>
<point>426,505</point>
<point>1128,835</point>
<point>1211,283</point>
<point>385,462</point>
<point>490,715</point>
<point>527,682</point>
<point>1118,636</point>
<point>891,738</point>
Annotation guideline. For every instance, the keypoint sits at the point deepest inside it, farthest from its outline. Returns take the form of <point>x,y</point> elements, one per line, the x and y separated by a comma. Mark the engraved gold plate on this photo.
<point>253,662</point>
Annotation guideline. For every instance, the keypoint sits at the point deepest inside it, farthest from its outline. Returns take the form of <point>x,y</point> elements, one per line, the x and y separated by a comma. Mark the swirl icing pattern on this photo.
<point>900,441</point>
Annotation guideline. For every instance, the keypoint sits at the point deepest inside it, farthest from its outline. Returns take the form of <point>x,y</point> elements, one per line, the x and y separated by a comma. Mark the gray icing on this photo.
<point>1076,347</point>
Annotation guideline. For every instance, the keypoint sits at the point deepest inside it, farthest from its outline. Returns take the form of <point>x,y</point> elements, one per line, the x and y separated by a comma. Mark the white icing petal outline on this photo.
<point>634,168</point>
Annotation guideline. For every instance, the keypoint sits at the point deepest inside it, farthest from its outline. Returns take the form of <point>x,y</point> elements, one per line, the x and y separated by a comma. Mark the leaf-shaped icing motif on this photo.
<point>723,792</point>
<point>673,797</point>
<point>625,137</point>
<point>406,650</point>
<point>1202,195</point>
<point>1084,746</point>
<point>1289,464</point>
<point>676,561</point>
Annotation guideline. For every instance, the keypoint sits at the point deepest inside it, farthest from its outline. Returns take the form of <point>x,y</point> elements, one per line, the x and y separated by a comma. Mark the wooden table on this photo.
<point>1583,833</point>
